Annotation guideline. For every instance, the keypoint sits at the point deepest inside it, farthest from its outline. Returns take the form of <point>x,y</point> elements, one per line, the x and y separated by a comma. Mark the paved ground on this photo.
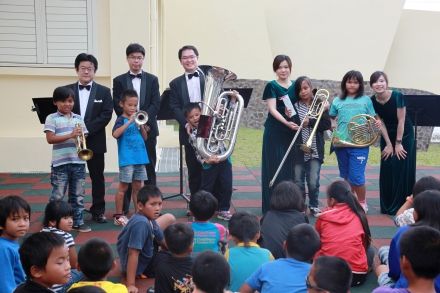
<point>35,188</point>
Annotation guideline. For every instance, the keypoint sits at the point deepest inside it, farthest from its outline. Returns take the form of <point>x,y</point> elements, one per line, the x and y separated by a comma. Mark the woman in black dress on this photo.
<point>397,145</point>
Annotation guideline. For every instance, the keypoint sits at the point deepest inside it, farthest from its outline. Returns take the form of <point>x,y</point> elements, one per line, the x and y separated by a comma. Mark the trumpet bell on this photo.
<point>85,155</point>
<point>141,117</point>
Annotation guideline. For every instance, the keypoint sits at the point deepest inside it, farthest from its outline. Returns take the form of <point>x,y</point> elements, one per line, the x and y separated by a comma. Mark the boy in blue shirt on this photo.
<point>62,129</point>
<point>14,223</point>
<point>132,153</point>
<point>287,274</point>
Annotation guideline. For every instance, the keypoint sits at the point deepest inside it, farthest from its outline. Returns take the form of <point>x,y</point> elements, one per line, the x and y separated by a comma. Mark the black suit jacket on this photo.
<point>98,115</point>
<point>179,97</point>
<point>149,99</point>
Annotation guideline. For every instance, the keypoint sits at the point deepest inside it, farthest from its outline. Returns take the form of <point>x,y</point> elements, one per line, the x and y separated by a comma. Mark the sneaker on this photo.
<point>81,228</point>
<point>365,207</point>
<point>314,211</point>
<point>120,221</point>
<point>100,219</point>
<point>150,290</point>
<point>224,215</point>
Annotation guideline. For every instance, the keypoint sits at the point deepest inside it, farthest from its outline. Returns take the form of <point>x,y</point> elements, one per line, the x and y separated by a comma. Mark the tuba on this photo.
<point>219,117</point>
<point>361,130</point>
<point>83,152</point>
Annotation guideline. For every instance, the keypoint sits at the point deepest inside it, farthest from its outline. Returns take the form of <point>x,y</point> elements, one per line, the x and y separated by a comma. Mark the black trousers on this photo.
<point>218,180</point>
<point>96,171</point>
<point>150,145</point>
<point>194,169</point>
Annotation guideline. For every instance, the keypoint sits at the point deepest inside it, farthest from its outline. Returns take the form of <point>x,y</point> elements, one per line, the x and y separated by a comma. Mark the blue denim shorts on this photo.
<point>352,163</point>
<point>132,172</point>
<point>385,280</point>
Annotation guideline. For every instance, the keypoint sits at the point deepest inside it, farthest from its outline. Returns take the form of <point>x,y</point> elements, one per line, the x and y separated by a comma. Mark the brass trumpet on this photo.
<point>316,110</point>
<point>83,153</point>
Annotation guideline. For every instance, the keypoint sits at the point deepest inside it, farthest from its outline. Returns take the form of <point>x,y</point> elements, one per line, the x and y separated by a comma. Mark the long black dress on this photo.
<point>396,179</point>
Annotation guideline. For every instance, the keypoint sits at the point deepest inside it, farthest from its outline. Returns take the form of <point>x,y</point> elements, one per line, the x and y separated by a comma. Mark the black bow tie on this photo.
<point>87,87</point>
<point>193,74</point>
<point>133,76</point>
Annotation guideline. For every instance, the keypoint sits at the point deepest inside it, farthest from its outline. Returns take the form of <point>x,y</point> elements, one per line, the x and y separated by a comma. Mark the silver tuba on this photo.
<point>224,117</point>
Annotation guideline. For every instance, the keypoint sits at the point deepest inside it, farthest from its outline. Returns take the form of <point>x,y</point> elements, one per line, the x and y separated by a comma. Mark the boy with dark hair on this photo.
<point>94,103</point>
<point>419,260</point>
<point>246,256</point>
<point>132,155</point>
<point>64,129</point>
<point>216,174</point>
<point>174,273</point>
<point>210,272</point>
<point>45,260</point>
<point>207,235</point>
<point>146,86</point>
<point>14,222</point>
<point>329,274</point>
<point>96,260</point>
<point>287,274</point>
<point>135,242</point>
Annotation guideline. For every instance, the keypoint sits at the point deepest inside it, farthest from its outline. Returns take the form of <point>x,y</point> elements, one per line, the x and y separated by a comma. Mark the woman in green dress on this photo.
<point>397,145</point>
<point>278,131</point>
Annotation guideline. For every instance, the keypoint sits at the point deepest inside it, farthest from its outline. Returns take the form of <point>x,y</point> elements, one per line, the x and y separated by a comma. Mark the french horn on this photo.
<point>361,130</point>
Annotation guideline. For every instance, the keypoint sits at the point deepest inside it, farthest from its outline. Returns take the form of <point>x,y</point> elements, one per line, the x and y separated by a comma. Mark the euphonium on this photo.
<point>315,112</point>
<point>223,118</point>
<point>317,109</point>
<point>141,117</point>
<point>83,153</point>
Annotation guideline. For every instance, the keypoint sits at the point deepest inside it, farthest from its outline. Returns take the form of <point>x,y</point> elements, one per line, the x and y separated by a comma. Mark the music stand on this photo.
<point>43,107</point>
<point>423,110</point>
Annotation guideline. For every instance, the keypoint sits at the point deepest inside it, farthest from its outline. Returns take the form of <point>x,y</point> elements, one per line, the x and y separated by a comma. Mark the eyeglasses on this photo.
<point>310,286</point>
<point>84,69</point>
<point>189,57</point>
<point>138,58</point>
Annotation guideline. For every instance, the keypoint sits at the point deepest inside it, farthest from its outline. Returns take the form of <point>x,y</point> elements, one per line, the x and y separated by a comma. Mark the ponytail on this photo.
<point>341,192</point>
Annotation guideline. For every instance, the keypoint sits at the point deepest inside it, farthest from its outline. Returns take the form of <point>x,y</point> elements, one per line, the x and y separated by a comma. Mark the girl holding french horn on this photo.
<point>354,130</point>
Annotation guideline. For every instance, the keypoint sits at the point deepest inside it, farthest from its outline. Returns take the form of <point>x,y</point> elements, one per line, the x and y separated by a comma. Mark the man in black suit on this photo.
<point>184,89</point>
<point>147,87</point>
<point>94,103</point>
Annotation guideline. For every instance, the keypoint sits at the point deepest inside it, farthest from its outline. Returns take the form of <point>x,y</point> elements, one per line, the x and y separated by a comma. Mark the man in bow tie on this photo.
<point>185,89</point>
<point>94,103</point>
<point>147,87</point>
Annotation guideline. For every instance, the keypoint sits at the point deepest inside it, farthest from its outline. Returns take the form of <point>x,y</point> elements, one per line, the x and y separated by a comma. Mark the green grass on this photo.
<point>247,151</point>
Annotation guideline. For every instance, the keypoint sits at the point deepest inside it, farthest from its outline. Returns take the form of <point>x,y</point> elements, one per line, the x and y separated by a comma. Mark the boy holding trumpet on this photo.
<point>64,130</point>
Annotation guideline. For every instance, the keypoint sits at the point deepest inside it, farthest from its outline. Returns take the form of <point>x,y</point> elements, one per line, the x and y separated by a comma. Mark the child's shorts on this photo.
<point>352,163</point>
<point>385,280</point>
<point>132,172</point>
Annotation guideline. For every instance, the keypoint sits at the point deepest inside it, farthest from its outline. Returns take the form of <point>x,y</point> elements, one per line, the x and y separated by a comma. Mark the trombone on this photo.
<point>83,153</point>
<point>316,110</point>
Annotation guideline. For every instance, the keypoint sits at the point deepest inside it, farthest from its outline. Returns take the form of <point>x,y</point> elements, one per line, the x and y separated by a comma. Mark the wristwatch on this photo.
<point>399,141</point>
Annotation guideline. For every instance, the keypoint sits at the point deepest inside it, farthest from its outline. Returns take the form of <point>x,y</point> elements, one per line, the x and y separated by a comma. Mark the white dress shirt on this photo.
<point>84,95</point>
<point>193,88</point>
<point>137,87</point>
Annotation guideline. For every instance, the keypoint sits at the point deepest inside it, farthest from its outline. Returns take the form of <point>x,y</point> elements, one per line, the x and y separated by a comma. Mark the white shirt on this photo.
<point>193,88</point>
<point>84,95</point>
<point>137,87</point>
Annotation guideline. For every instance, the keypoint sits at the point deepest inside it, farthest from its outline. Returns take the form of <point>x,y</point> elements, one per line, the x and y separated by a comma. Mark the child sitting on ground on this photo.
<point>174,273</point>
<point>404,215</point>
<point>132,153</point>
<point>216,174</point>
<point>329,274</point>
<point>246,256</point>
<point>14,222</point>
<point>287,274</point>
<point>207,235</point>
<point>58,218</point>
<point>210,273</point>
<point>344,231</point>
<point>135,242</point>
<point>45,260</point>
<point>286,211</point>
<point>95,261</point>
<point>419,260</point>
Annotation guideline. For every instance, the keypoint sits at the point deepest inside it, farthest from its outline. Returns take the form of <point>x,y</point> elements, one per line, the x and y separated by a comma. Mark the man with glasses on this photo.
<point>329,274</point>
<point>147,87</point>
<point>94,103</point>
<point>185,89</point>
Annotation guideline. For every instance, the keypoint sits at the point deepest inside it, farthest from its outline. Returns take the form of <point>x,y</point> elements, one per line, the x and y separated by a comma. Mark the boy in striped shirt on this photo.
<point>67,168</point>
